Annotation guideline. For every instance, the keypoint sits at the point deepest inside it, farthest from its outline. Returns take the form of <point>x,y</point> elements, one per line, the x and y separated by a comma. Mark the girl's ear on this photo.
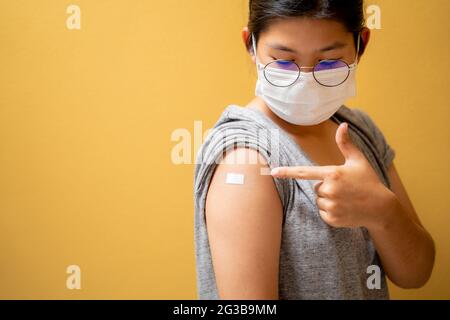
<point>246,38</point>
<point>364,38</point>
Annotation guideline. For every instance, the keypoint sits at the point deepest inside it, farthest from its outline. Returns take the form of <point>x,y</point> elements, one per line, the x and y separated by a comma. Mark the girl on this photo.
<point>333,218</point>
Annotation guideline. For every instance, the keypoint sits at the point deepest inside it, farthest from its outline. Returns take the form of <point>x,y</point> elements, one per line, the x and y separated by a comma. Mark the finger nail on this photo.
<point>275,171</point>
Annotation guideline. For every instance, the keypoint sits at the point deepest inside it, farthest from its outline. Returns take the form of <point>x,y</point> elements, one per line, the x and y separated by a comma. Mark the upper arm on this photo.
<point>398,188</point>
<point>244,229</point>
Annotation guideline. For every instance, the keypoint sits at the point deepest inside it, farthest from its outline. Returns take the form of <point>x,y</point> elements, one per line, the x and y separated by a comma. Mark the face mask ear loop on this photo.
<point>254,49</point>
<point>357,48</point>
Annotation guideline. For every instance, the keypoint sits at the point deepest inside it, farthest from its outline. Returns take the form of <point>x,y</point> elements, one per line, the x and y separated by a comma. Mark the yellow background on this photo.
<point>86,118</point>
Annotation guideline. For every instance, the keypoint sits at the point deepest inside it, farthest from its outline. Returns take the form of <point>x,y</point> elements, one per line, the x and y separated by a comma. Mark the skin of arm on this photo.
<point>244,224</point>
<point>406,249</point>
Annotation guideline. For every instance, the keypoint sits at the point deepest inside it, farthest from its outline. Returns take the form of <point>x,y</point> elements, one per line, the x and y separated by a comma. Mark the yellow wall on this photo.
<point>86,118</point>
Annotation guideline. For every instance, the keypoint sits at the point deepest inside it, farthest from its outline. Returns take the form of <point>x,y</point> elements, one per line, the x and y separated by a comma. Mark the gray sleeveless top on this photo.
<point>317,261</point>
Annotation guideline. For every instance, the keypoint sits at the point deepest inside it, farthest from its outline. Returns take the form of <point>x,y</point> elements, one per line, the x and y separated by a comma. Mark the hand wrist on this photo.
<point>387,212</point>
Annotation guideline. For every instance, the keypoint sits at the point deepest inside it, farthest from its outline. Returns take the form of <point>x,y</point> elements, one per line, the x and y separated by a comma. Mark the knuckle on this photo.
<point>332,206</point>
<point>318,202</point>
<point>317,186</point>
<point>330,219</point>
<point>335,174</point>
<point>330,191</point>
<point>324,215</point>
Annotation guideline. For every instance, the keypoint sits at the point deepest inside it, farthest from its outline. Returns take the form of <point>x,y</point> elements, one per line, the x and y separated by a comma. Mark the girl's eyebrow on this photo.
<point>336,45</point>
<point>278,46</point>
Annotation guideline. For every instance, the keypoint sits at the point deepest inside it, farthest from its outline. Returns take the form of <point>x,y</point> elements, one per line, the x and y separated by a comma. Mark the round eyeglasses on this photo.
<point>328,73</point>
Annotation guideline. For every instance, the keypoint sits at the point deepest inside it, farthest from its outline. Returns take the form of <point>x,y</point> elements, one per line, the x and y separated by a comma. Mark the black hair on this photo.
<point>348,12</point>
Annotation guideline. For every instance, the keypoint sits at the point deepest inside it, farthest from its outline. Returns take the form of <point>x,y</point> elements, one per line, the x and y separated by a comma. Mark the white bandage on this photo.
<point>235,178</point>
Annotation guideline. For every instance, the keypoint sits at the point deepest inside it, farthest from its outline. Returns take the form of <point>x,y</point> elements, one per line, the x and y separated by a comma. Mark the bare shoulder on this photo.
<point>244,218</point>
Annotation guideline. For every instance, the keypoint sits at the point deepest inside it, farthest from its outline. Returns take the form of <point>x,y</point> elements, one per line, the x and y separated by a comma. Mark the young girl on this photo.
<point>335,218</point>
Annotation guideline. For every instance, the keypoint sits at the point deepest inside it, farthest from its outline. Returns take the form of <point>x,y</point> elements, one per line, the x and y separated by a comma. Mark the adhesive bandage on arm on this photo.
<point>234,178</point>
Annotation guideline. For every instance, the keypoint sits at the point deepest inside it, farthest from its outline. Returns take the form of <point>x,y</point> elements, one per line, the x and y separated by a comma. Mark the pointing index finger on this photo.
<point>302,172</point>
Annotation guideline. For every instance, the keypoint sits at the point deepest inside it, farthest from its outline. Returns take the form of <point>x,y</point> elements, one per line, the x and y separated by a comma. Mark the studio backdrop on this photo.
<point>104,104</point>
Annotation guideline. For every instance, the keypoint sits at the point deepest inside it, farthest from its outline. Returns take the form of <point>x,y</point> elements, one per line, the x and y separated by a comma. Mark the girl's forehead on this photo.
<point>306,37</point>
<point>305,27</point>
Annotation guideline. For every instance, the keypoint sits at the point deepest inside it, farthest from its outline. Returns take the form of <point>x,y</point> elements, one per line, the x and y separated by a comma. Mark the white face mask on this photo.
<point>306,102</point>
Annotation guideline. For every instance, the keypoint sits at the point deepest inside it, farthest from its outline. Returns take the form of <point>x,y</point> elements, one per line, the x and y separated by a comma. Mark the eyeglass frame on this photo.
<point>300,68</point>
